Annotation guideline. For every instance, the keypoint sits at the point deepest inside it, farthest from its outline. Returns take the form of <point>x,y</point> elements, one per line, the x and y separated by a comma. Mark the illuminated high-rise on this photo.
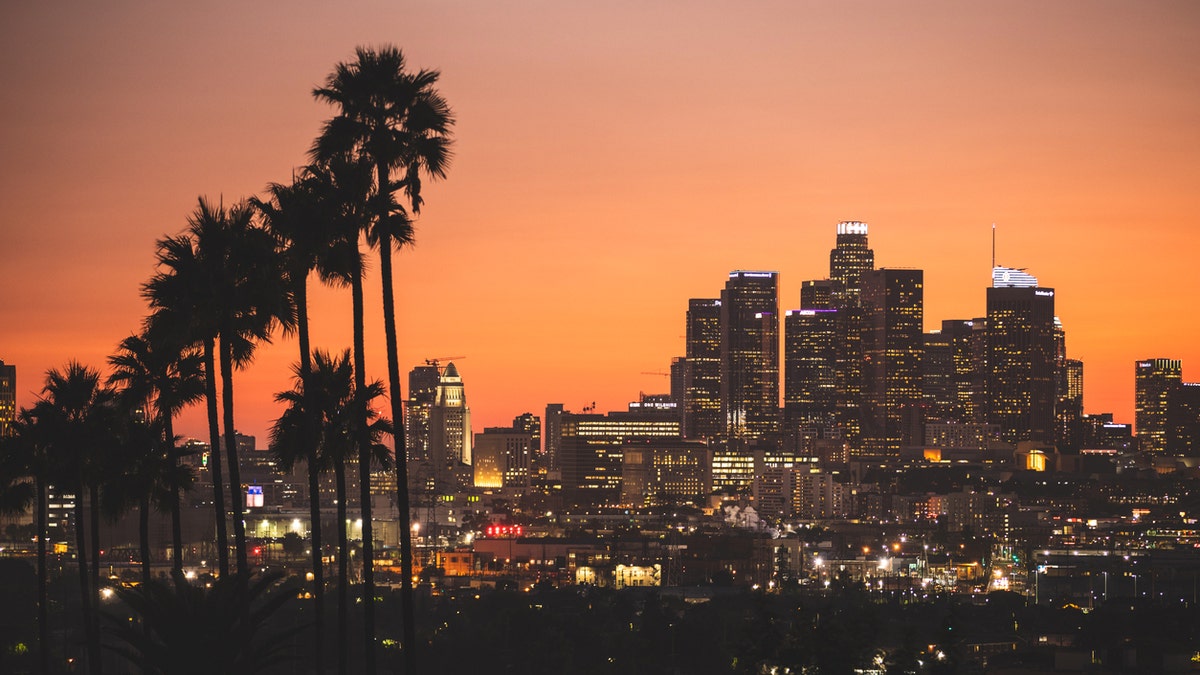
<point>702,370</point>
<point>849,260</point>
<point>422,391</point>
<point>8,397</point>
<point>1021,357</point>
<point>750,354</point>
<point>1154,380</point>
<point>450,426</point>
<point>893,303</point>
<point>810,339</point>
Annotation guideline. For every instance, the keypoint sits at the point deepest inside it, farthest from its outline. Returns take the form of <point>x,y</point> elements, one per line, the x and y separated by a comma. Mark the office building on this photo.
<point>665,472</point>
<point>422,391</point>
<point>1021,357</point>
<point>702,387</point>
<point>848,261</point>
<point>1068,410</point>
<point>503,458</point>
<point>810,361</point>
<point>893,303</point>
<point>8,397</point>
<point>591,450</point>
<point>1183,420</point>
<point>450,427</point>
<point>1154,381</point>
<point>750,355</point>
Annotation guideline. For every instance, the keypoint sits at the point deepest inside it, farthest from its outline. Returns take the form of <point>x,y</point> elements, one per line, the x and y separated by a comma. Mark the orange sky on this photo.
<point>614,160</point>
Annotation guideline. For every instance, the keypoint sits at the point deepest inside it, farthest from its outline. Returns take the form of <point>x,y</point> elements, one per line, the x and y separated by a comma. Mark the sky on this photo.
<point>613,160</point>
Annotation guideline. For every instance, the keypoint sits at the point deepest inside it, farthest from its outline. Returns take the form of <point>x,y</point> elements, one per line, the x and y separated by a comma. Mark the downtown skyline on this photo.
<point>598,184</point>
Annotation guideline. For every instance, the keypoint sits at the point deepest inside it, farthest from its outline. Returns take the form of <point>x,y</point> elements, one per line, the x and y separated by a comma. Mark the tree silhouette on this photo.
<point>399,122</point>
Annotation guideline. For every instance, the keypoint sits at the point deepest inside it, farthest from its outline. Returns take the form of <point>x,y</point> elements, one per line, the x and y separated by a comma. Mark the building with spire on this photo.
<point>450,425</point>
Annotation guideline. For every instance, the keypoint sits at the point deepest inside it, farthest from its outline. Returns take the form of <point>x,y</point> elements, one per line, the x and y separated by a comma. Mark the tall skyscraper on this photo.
<point>947,372</point>
<point>450,426</point>
<point>552,433</point>
<point>892,344</point>
<point>1154,380</point>
<point>750,354</point>
<point>1183,420</point>
<point>422,391</point>
<point>810,339</point>
<point>702,390</point>
<point>1069,407</point>
<point>1021,357</point>
<point>8,397</point>
<point>849,259</point>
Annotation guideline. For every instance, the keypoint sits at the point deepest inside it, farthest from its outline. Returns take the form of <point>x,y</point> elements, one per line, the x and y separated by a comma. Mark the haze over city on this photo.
<point>611,163</point>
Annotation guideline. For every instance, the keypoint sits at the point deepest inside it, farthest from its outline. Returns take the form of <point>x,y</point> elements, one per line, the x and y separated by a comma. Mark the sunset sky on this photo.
<point>613,160</point>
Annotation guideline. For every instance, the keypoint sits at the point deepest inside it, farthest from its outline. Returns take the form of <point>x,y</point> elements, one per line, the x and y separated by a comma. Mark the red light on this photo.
<point>257,550</point>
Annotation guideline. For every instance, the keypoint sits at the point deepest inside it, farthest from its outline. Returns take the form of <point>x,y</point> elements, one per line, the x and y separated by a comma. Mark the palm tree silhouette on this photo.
<point>304,216</point>
<point>78,414</point>
<point>161,375</point>
<point>22,484</point>
<point>326,401</point>
<point>224,270</point>
<point>399,122</point>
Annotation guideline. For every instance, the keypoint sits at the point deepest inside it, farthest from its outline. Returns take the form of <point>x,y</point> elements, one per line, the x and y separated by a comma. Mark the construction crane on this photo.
<point>655,372</point>
<point>437,361</point>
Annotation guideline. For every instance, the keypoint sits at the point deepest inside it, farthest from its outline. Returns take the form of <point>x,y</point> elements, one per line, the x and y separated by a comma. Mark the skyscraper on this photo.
<point>450,426</point>
<point>892,343</point>
<point>750,354</point>
<point>810,339</point>
<point>1021,357</point>
<point>849,259</point>
<point>1154,380</point>
<point>422,391</point>
<point>1069,407</point>
<point>8,397</point>
<point>702,390</point>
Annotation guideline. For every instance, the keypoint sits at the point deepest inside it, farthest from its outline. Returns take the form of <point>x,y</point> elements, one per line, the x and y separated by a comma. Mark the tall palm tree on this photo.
<point>162,376</point>
<point>23,483</point>
<point>78,413</point>
<point>325,404</point>
<point>238,295</point>
<point>398,121</point>
<point>303,217</point>
<point>181,294</point>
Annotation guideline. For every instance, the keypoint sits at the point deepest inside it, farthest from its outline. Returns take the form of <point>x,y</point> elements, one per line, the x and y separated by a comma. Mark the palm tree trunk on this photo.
<point>214,455</point>
<point>176,519</point>
<point>85,593</point>
<point>94,526</point>
<point>402,498</point>
<point>364,475</point>
<point>314,483</point>
<point>231,452</point>
<point>343,566</point>
<point>144,535</point>
<point>42,580</point>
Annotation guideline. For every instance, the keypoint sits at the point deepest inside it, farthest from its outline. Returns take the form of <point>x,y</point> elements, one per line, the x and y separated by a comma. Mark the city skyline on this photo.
<point>1071,127</point>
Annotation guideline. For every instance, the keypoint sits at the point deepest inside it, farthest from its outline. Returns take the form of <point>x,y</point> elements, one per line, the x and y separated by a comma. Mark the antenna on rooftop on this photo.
<point>993,245</point>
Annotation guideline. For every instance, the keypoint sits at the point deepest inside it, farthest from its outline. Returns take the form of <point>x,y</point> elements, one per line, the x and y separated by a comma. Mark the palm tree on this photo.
<point>159,373</point>
<point>235,287</point>
<point>78,414</point>
<point>325,403</point>
<point>22,483</point>
<point>184,303</point>
<point>303,216</point>
<point>399,122</point>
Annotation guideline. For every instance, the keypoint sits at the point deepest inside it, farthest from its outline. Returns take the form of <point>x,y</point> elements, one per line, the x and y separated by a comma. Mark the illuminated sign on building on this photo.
<point>254,496</point>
